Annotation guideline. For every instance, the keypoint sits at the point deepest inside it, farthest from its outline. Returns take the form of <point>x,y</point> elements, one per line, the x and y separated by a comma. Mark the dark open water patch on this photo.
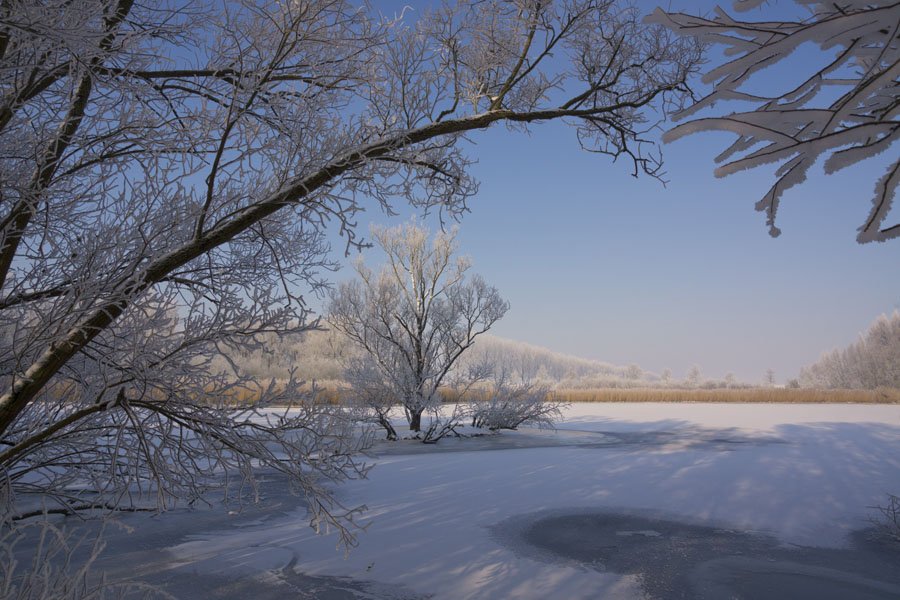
<point>673,559</point>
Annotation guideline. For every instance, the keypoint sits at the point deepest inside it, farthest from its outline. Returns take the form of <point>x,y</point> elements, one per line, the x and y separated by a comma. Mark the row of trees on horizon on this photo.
<point>320,355</point>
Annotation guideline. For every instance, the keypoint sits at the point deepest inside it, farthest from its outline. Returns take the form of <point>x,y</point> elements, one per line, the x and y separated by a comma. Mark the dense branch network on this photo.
<point>167,174</point>
<point>413,321</point>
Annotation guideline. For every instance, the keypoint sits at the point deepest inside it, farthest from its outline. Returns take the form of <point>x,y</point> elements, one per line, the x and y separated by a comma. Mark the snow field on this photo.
<point>806,474</point>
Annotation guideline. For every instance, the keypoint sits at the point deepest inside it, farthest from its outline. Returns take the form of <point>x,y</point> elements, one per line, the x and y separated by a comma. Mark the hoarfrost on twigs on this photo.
<point>845,109</point>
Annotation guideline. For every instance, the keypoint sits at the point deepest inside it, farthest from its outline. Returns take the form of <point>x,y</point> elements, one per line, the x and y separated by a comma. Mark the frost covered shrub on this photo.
<point>507,407</point>
<point>370,394</point>
<point>888,522</point>
<point>60,566</point>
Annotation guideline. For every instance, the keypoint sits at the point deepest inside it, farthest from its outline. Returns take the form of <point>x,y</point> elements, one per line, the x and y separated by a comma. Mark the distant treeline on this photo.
<point>523,362</point>
<point>320,355</point>
<point>315,355</point>
<point>872,362</point>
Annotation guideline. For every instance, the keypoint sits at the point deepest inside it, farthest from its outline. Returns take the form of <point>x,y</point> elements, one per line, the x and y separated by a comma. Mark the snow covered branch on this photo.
<point>845,109</point>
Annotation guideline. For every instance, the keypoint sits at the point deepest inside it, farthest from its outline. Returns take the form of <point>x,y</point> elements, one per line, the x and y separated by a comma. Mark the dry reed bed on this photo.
<point>335,393</point>
<point>328,393</point>
<point>749,395</point>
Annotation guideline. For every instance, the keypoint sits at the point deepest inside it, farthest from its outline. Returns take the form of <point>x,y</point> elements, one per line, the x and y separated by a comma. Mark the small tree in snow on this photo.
<point>416,317</point>
<point>843,109</point>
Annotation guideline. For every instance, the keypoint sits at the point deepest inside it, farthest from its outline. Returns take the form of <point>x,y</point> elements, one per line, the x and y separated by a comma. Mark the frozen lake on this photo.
<point>621,501</point>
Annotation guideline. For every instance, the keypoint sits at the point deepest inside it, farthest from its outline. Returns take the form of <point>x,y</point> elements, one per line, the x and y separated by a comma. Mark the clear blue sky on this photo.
<point>601,265</point>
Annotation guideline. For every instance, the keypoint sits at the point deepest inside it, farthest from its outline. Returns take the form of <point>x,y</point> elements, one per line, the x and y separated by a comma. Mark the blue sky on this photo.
<point>601,265</point>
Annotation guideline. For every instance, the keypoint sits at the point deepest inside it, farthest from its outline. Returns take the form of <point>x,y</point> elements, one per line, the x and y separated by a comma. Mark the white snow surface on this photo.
<point>806,474</point>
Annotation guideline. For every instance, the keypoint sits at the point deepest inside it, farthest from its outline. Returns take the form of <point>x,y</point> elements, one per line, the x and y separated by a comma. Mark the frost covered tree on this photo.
<point>167,171</point>
<point>139,168</point>
<point>414,318</point>
<point>633,372</point>
<point>666,376</point>
<point>694,376</point>
<point>843,108</point>
<point>872,361</point>
<point>730,380</point>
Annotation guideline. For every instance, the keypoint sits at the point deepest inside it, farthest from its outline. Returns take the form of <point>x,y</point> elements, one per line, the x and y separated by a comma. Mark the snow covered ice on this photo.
<point>680,500</point>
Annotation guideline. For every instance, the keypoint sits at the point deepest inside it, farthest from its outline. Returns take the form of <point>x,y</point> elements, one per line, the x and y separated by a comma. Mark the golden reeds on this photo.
<point>743,395</point>
<point>335,392</point>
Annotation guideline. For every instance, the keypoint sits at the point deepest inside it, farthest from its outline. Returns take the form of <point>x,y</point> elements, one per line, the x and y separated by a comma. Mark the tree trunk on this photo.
<point>415,420</point>
<point>388,427</point>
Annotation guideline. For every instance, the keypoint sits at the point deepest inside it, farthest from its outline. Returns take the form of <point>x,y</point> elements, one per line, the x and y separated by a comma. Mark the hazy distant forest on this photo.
<point>872,362</point>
